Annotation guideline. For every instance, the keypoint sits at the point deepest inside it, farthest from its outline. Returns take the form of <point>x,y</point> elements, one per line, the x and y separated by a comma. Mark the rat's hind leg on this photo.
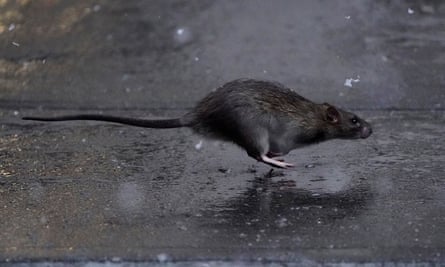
<point>257,146</point>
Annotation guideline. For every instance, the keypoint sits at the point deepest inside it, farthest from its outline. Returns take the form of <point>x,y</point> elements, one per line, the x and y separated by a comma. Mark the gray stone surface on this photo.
<point>89,191</point>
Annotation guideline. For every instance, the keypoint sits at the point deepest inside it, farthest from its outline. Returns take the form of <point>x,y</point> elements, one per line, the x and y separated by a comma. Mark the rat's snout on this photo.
<point>366,131</point>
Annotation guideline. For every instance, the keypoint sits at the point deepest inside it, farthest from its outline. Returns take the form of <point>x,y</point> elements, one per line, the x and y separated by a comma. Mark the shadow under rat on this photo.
<point>278,204</point>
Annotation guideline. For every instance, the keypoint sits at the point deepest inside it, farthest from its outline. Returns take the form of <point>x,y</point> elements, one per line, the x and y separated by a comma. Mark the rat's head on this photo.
<point>343,124</point>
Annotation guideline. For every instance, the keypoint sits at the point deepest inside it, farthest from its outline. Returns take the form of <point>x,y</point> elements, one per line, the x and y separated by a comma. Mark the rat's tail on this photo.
<point>167,123</point>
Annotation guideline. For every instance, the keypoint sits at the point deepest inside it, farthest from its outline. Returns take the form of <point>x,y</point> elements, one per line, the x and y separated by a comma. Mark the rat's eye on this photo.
<point>355,121</point>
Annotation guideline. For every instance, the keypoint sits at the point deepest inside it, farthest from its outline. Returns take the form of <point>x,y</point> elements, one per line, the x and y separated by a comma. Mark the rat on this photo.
<point>265,118</point>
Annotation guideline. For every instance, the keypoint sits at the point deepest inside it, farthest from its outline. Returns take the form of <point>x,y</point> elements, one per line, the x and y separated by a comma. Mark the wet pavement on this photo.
<point>94,192</point>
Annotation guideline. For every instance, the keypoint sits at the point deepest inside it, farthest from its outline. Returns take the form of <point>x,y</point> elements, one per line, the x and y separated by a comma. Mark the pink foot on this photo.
<point>275,163</point>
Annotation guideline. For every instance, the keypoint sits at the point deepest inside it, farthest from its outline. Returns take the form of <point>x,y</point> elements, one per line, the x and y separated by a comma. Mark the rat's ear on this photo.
<point>332,114</point>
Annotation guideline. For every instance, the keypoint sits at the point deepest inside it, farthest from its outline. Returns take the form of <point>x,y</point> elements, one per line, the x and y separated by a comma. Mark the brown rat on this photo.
<point>265,118</point>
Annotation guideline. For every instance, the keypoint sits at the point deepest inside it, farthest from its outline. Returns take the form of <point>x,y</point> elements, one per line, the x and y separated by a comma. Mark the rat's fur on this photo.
<point>265,118</point>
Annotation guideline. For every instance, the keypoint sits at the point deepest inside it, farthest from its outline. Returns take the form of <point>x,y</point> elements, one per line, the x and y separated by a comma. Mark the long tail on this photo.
<point>167,123</point>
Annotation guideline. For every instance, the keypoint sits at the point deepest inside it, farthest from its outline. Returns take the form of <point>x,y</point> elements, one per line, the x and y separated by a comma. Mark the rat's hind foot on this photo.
<point>275,163</point>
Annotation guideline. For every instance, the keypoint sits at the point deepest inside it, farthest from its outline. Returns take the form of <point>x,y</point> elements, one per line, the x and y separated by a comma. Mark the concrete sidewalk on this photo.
<point>97,193</point>
<point>87,191</point>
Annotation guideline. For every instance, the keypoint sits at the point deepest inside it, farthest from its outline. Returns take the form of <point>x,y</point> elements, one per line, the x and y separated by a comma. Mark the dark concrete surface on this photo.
<point>97,193</point>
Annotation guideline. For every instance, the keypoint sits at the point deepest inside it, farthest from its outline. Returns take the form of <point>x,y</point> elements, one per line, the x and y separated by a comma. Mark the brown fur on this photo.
<point>265,118</point>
